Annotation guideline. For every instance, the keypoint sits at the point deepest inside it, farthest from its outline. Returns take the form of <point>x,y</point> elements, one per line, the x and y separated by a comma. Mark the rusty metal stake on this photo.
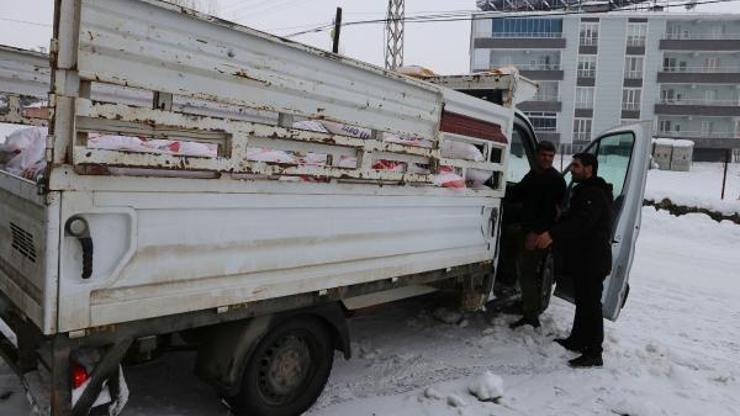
<point>337,30</point>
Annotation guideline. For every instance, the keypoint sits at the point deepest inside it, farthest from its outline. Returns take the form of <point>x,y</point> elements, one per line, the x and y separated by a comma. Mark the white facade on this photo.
<point>680,71</point>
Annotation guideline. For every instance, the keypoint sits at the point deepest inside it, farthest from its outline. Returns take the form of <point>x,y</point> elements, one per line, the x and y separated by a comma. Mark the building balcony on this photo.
<point>701,42</point>
<point>700,75</point>
<point>698,107</point>
<point>549,135</point>
<point>700,134</point>
<point>707,140</point>
<point>520,40</point>
<point>542,103</point>
<point>702,36</point>
<point>583,112</point>
<point>540,72</point>
<point>587,45</point>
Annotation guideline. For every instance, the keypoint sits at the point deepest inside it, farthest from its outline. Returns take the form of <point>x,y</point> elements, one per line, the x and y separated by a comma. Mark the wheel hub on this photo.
<point>286,368</point>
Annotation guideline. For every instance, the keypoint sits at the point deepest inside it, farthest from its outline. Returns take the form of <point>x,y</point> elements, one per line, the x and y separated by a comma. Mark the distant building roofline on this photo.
<point>612,14</point>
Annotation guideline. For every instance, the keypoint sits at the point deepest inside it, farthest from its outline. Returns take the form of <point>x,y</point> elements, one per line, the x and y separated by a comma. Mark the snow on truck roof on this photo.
<point>673,142</point>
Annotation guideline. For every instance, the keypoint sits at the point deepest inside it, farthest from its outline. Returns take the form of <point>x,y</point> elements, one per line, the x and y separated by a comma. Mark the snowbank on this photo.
<point>701,187</point>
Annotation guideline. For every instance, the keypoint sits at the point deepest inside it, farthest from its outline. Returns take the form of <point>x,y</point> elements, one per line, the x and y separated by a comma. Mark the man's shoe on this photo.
<point>535,323</point>
<point>586,361</point>
<point>569,344</point>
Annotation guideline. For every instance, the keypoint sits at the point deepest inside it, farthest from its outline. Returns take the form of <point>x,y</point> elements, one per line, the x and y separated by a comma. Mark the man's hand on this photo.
<point>530,241</point>
<point>544,240</point>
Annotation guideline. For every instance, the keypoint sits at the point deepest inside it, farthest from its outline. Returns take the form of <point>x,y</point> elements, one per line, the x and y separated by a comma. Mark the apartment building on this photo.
<point>679,70</point>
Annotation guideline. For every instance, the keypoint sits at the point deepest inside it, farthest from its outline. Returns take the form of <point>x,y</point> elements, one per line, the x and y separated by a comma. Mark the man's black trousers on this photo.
<point>588,324</point>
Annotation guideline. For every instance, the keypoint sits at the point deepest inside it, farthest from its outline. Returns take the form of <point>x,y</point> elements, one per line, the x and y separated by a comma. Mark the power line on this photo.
<point>25,22</point>
<point>455,16</point>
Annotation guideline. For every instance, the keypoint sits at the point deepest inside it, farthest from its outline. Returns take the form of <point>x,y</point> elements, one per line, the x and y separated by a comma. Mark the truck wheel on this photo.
<point>287,371</point>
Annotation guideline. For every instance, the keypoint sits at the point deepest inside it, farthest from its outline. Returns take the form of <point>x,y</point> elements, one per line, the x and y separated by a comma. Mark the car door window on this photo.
<point>518,159</point>
<point>613,154</point>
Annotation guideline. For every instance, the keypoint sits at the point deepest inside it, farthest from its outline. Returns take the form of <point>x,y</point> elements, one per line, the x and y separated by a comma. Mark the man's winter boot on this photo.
<point>525,321</point>
<point>586,361</point>
<point>569,344</point>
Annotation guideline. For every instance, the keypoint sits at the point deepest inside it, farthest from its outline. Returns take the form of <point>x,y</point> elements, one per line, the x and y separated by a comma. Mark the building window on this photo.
<point>636,34</point>
<point>584,97</point>
<point>589,33</point>
<point>664,126</point>
<point>711,64</point>
<point>586,66</point>
<point>631,99</point>
<point>670,96</point>
<point>707,128</point>
<point>515,27</point>
<point>710,97</point>
<point>547,91</point>
<point>633,67</point>
<point>581,130</point>
<point>543,121</point>
<point>669,64</point>
<point>674,65</point>
<point>675,31</point>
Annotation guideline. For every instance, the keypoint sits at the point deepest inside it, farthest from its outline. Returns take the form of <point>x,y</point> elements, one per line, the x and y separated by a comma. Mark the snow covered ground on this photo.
<point>701,187</point>
<point>675,350</point>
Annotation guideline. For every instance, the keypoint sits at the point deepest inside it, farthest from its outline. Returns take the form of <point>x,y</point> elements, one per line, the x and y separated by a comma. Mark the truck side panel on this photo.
<point>157,46</point>
<point>167,252</point>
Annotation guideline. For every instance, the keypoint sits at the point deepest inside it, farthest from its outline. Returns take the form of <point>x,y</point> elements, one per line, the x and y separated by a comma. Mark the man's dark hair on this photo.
<point>546,146</point>
<point>587,159</point>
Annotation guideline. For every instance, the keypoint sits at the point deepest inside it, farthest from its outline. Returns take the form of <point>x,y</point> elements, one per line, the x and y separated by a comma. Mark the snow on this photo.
<point>683,143</point>
<point>487,387</point>
<point>673,142</point>
<point>700,187</point>
<point>675,349</point>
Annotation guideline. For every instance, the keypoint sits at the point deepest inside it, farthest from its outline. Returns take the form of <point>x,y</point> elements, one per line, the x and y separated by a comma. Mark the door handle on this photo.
<point>79,228</point>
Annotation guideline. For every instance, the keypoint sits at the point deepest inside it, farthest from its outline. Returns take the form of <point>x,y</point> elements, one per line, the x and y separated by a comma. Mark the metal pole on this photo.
<point>724,175</point>
<point>337,29</point>
<point>562,151</point>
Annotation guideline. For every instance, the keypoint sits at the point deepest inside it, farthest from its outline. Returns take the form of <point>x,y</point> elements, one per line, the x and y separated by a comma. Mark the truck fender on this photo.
<point>223,357</point>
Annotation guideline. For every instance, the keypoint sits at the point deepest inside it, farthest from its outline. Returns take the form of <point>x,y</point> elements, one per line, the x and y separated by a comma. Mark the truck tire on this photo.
<point>287,371</point>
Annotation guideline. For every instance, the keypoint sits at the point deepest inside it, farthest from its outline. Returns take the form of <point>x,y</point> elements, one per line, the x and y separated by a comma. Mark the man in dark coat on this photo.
<point>583,236</point>
<point>539,192</point>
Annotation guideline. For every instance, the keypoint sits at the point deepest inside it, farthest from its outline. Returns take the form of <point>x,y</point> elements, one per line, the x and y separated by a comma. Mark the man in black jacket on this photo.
<point>584,239</point>
<point>540,193</point>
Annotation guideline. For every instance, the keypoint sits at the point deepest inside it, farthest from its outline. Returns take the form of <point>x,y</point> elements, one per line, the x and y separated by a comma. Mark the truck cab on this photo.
<point>623,153</point>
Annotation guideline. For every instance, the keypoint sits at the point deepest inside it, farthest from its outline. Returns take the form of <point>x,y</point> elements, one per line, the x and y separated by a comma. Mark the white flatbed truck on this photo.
<point>256,262</point>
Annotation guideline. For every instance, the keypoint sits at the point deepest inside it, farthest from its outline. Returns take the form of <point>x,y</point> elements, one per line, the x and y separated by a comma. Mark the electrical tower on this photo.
<point>394,34</point>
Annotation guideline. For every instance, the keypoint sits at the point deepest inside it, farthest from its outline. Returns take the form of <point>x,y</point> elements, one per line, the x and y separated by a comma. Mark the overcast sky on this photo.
<point>442,47</point>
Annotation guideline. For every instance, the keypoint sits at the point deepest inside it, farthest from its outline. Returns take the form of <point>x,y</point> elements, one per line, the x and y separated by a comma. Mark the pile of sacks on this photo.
<point>22,153</point>
<point>448,177</point>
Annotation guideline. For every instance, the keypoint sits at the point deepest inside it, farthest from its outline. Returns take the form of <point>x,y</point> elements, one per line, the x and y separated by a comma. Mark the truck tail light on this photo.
<point>79,375</point>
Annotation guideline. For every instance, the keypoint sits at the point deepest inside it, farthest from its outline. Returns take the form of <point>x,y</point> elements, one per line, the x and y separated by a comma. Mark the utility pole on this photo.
<point>394,34</point>
<point>337,30</point>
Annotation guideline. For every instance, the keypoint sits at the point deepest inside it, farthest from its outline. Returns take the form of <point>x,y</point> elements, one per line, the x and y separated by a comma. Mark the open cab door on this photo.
<point>623,154</point>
